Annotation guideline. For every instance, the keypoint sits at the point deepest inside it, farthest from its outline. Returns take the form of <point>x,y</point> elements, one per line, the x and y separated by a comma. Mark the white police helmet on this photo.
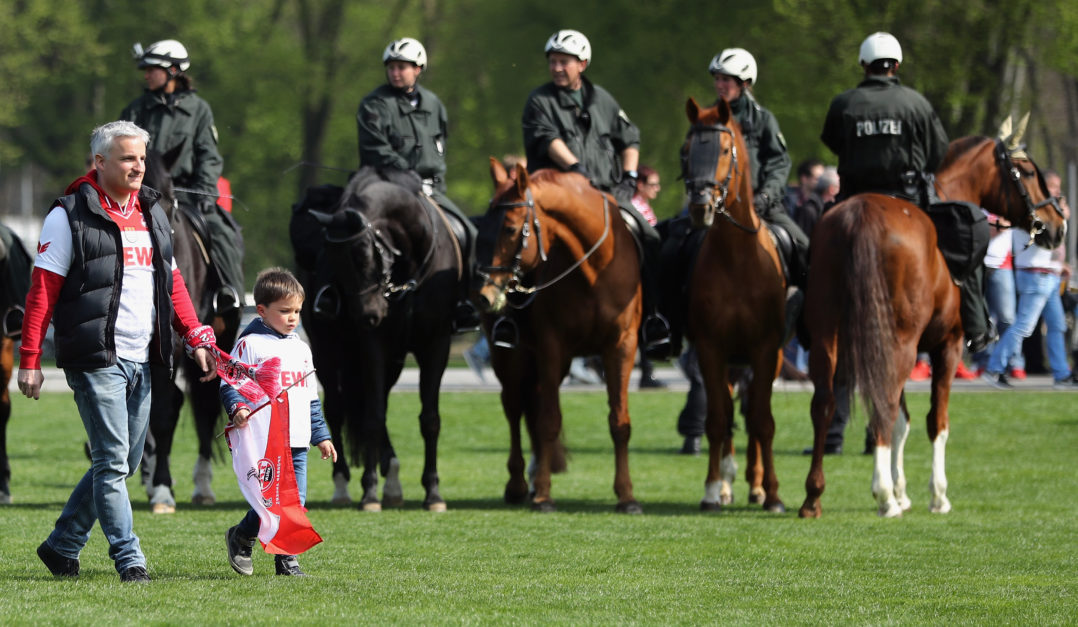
<point>164,54</point>
<point>880,46</point>
<point>570,42</point>
<point>406,49</point>
<point>734,62</point>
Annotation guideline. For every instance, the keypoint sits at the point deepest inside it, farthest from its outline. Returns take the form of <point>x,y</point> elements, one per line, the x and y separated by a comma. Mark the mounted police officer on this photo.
<point>734,70</point>
<point>889,140</point>
<point>403,125</point>
<point>573,125</point>
<point>181,123</point>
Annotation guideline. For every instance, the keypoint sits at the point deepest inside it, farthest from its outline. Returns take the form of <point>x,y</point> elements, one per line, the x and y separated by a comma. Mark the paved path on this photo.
<point>465,380</point>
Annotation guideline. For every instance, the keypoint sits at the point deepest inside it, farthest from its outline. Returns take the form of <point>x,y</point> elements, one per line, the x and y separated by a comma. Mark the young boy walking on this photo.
<point>278,300</point>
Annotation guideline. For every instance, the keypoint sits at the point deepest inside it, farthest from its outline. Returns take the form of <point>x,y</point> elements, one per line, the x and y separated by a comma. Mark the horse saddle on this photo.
<point>197,222</point>
<point>784,244</point>
<point>962,236</point>
<point>634,228</point>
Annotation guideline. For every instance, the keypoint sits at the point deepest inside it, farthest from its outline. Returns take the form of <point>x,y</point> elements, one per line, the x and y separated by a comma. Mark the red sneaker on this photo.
<point>1018,373</point>
<point>962,372</point>
<point>921,371</point>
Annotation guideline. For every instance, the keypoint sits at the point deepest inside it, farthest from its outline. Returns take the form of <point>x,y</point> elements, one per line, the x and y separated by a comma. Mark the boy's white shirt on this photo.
<point>296,361</point>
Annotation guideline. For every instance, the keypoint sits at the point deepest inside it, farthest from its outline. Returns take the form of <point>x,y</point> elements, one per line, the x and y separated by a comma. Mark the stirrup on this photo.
<point>465,317</point>
<point>657,337</point>
<point>12,322</point>
<point>327,303</point>
<point>225,300</point>
<point>504,333</point>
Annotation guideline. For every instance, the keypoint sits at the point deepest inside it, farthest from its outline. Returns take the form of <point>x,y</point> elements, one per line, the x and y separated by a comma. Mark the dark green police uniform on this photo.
<point>880,131</point>
<point>395,133</point>
<point>594,128</point>
<point>887,136</point>
<point>184,119</point>
<point>770,166</point>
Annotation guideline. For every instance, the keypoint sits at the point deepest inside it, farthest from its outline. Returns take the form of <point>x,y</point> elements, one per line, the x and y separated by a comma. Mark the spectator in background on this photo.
<point>647,188</point>
<point>1000,292</point>
<point>808,175</point>
<point>1038,274</point>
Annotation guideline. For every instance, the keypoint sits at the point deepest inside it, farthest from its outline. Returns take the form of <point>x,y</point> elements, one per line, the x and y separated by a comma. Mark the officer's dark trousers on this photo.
<point>651,243</point>
<point>467,247</point>
<point>798,266</point>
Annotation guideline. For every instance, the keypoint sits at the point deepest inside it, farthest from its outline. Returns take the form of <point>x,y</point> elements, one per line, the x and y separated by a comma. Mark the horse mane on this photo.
<point>960,147</point>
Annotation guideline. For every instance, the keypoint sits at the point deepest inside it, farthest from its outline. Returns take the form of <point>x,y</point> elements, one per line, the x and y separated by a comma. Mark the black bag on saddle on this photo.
<point>962,236</point>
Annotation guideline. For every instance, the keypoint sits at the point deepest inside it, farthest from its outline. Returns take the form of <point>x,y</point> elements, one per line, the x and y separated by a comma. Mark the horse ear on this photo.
<point>522,180</point>
<point>723,109</point>
<point>1020,130</point>
<point>1005,129</point>
<point>497,173</point>
<point>692,109</point>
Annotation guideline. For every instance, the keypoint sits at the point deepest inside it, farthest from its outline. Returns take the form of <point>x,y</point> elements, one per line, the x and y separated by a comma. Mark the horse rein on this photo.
<point>1011,171</point>
<point>709,157</point>
<point>515,284</point>
<point>387,254</point>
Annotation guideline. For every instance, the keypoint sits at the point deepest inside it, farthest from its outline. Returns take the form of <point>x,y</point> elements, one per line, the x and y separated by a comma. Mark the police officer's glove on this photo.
<point>627,184</point>
<point>207,205</point>
<point>579,169</point>
<point>762,203</point>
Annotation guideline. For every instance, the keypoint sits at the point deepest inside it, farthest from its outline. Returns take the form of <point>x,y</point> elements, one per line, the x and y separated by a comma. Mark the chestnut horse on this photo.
<point>736,312</point>
<point>879,292</point>
<point>567,241</point>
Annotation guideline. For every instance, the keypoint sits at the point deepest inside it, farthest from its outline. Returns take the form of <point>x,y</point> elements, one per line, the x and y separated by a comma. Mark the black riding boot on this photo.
<point>655,330</point>
<point>973,308</point>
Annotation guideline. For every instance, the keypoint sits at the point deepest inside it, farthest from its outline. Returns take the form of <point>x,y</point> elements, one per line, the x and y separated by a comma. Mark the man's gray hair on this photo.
<point>104,136</point>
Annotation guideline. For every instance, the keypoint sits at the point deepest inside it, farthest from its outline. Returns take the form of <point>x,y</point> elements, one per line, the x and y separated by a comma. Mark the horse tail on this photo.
<point>866,335</point>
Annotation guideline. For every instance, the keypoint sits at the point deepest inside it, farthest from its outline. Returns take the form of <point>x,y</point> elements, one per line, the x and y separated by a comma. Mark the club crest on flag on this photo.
<point>265,474</point>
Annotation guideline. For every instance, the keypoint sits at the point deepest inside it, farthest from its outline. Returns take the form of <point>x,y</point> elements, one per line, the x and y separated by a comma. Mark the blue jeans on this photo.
<point>1038,294</point>
<point>250,524</point>
<point>1002,300</point>
<point>114,403</point>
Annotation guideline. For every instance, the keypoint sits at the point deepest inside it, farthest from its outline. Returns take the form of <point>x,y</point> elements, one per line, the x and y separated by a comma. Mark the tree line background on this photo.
<point>284,78</point>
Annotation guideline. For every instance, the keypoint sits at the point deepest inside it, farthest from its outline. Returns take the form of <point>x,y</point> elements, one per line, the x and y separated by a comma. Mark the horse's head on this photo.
<point>509,241</point>
<point>710,161</point>
<point>1028,204</point>
<point>158,175</point>
<point>362,258</point>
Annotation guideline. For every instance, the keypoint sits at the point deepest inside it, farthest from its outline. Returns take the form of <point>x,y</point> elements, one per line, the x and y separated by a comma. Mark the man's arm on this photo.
<point>375,148</point>
<point>185,321</point>
<point>44,293</point>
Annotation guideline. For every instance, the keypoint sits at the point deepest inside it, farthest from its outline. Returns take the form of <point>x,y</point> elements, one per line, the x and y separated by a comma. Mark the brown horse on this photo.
<point>558,234</point>
<point>879,291</point>
<point>736,302</point>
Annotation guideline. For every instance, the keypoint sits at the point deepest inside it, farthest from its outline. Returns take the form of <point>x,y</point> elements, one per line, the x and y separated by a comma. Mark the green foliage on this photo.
<point>284,77</point>
<point>1004,555</point>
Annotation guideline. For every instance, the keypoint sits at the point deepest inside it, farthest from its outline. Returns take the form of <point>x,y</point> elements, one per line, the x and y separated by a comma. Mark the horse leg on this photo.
<point>206,409</point>
<point>392,490</point>
<point>618,363</point>
<point>899,436</point>
<point>334,414</point>
<point>165,402</point>
<point>720,408</point>
<point>822,363</point>
<point>754,467</point>
<point>939,422</point>
<point>512,398</point>
<point>545,425</point>
<point>884,421</point>
<point>431,369</point>
<point>761,427</point>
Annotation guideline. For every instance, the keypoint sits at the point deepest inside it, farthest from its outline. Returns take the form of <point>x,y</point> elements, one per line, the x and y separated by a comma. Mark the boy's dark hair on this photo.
<point>273,284</point>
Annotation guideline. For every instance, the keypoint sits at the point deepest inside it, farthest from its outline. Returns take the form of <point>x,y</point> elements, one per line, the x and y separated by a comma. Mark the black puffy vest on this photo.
<point>84,319</point>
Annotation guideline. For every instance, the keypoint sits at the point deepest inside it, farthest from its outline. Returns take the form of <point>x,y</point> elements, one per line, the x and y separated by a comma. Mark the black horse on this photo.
<point>383,268</point>
<point>190,246</point>
<point>15,264</point>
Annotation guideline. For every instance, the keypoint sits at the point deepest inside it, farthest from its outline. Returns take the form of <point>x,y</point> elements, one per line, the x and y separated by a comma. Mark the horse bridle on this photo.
<point>705,152</point>
<point>387,255</point>
<point>1012,172</point>
<point>515,284</point>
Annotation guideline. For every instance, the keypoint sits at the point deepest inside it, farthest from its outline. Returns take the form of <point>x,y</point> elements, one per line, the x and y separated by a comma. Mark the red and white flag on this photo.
<point>262,460</point>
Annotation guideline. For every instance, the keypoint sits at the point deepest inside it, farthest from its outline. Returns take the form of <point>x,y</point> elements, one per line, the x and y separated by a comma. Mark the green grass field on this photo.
<point>1007,554</point>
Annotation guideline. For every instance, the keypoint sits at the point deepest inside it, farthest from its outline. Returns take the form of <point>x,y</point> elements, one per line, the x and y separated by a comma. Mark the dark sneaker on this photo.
<point>997,380</point>
<point>652,383</point>
<point>135,574</point>
<point>288,565</point>
<point>239,551</point>
<point>1065,384</point>
<point>57,564</point>
<point>828,449</point>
